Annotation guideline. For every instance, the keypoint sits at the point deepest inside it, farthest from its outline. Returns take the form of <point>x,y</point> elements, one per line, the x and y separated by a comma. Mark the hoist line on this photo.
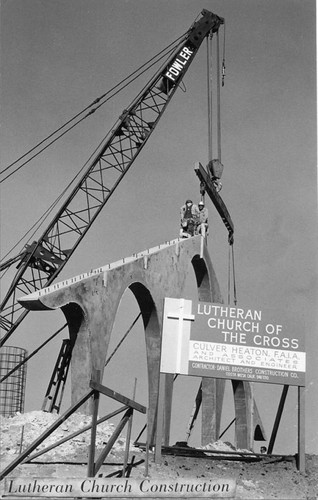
<point>223,60</point>
<point>32,353</point>
<point>122,340</point>
<point>210,92</point>
<point>234,279</point>
<point>218,94</point>
<point>229,278</point>
<point>231,262</point>
<point>155,60</point>
<point>209,89</point>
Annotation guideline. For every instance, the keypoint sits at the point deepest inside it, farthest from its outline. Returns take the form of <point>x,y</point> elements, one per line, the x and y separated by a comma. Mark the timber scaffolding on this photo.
<point>93,463</point>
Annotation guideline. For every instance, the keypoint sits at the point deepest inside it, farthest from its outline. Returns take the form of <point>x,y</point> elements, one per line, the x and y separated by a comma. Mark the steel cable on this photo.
<point>96,101</point>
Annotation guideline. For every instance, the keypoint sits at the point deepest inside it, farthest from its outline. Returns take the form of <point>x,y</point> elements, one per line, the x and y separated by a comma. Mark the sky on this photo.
<point>58,56</point>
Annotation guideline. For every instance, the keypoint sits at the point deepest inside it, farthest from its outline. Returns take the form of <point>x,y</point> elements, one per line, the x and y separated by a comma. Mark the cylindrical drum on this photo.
<point>12,388</point>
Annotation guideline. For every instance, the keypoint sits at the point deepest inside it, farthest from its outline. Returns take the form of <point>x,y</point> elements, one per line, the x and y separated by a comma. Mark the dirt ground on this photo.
<point>266,478</point>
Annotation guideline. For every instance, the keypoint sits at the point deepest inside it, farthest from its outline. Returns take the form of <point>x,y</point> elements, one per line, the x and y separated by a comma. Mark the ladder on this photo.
<point>56,385</point>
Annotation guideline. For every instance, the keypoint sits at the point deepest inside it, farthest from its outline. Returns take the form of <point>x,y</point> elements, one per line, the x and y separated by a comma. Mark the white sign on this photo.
<point>214,340</point>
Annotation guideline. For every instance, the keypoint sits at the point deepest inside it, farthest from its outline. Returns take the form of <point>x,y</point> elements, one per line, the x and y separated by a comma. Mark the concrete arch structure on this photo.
<point>90,303</point>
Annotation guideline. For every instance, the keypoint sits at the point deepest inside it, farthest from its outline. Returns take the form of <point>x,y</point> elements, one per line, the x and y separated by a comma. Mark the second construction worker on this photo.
<point>189,214</point>
<point>203,223</point>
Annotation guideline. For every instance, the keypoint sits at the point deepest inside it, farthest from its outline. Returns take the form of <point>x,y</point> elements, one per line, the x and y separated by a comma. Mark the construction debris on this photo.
<point>19,431</point>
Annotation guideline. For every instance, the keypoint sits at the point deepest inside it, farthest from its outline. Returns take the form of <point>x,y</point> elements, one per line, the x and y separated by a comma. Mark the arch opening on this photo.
<point>139,355</point>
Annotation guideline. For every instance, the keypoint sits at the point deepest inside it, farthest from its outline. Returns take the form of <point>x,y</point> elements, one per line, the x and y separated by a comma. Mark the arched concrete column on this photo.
<point>248,425</point>
<point>242,405</point>
<point>153,347</point>
<point>212,389</point>
<point>77,325</point>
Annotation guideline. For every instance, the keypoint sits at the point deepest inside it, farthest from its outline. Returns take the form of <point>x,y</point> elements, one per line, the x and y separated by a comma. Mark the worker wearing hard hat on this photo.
<point>189,214</point>
<point>203,223</point>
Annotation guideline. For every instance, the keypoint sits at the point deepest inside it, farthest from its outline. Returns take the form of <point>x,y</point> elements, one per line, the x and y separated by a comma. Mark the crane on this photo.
<point>42,261</point>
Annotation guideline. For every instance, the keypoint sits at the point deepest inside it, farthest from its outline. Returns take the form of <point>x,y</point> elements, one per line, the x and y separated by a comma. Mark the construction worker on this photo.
<point>203,223</point>
<point>189,214</point>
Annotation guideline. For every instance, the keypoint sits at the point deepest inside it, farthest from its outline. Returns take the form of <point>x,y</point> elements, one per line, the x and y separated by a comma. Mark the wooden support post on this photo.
<point>251,422</point>
<point>277,419</point>
<point>112,440</point>
<point>160,409</point>
<point>128,436</point>
<point>118,397</point>
<point>167,412</point>
<point>21,440</point>
<point>44,435</point>
<point>146,473</point>
<point>91,456</point>
<point>74,434</point>
<point>301,430</point>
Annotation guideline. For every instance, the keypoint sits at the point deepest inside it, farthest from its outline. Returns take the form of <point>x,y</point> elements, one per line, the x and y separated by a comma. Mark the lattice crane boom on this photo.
<point>44,259</point>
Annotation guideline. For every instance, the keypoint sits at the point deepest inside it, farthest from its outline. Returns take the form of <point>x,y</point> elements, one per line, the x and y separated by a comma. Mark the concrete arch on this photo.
<point>153,345</point>
<point>91,300</point>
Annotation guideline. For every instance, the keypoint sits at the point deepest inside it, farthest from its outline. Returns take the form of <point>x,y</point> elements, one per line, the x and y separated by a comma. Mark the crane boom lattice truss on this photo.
<point>44,259</point>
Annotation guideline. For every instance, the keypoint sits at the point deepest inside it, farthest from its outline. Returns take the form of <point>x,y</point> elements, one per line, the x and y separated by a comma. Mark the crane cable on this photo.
<point>223,59</point>
<point>231,267</point>
<point>209,88</point>
<point>218,95</point>
<point>153,61</point>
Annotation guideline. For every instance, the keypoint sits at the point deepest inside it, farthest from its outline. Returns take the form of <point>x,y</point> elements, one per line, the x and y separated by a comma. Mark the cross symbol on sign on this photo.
<point>181,316</point>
